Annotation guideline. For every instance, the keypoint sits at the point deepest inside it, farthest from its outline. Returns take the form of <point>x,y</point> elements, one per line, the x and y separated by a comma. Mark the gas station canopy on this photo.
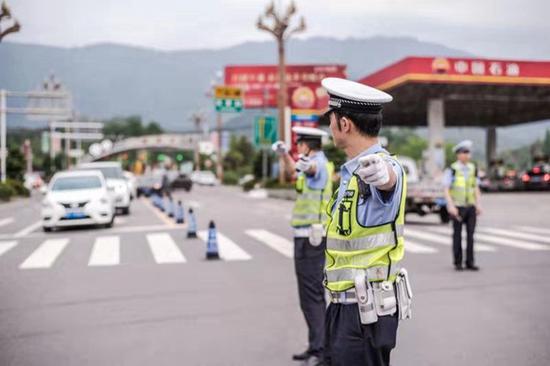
<point>475,92</point>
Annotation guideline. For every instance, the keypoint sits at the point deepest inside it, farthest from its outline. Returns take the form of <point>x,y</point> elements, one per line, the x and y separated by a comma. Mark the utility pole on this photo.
<point>5,12</point>
<point>281,30</point>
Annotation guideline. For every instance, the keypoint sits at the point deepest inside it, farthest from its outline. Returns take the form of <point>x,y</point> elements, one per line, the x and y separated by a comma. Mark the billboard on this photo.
<point>260,84</point>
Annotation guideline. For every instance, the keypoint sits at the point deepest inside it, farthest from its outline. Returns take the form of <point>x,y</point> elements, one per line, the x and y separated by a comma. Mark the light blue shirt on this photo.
<point>448,175</point>
<point>319,179</point>
<point>376,209</point>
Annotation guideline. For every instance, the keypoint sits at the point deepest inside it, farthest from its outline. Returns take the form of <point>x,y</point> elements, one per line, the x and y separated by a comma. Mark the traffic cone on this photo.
<point>212,243</point>
<point>192,228</point>
<point>180,219</point>
<point>170,207</point>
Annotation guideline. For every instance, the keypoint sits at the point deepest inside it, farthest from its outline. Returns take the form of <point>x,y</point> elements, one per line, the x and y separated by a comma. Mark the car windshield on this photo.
<point>108,172</point>
<point>73,183</point>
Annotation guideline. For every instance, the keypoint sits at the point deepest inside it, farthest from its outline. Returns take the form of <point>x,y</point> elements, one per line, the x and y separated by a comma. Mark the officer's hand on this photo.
<point>478,210</point>
<point>303,164</point>
<point>280,148</point>
<point>373,169</point>
<point>452,210</point>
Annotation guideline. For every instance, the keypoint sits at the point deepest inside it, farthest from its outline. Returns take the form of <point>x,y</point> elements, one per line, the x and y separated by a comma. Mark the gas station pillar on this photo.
<point>436,142</point>
<point>491,145</point>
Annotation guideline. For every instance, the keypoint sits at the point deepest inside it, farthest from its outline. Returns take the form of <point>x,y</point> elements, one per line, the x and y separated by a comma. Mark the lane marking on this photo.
<point>536,230</point>
<point>498,240</point>
<point>442,240</point>
<point>161,215</point>
<point>164,249</point>
<point>106,251</point>
<point>275,242</point>
<point>5,246</point>
<point>27,230</point>
<point>516,234</point>
<point>46,254</point>
<point>414,247</point>
<point>228,250</point>
<point>6,221</point>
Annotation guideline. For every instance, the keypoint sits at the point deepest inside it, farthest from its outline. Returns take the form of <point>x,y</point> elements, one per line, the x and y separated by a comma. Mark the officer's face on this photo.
<point>302,148</point>
<point>464,156</point>
<point>335,131</point>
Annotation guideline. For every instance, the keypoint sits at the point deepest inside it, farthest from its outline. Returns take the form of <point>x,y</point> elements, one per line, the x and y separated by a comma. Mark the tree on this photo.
<point>240,156</point>
<point>15,164</point>
<point>122,127</point>
<point>546,143</point>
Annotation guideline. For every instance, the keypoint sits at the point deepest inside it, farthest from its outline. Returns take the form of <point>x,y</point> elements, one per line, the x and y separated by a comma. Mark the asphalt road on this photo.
<point>140,293</point>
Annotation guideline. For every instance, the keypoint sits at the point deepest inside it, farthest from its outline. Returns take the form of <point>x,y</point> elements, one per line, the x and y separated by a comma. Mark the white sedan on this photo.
<point>77,198</point>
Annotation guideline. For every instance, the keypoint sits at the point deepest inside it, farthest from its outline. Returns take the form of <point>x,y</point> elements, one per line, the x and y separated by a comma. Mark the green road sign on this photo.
<point>265,131</point>
<point>229,105</point>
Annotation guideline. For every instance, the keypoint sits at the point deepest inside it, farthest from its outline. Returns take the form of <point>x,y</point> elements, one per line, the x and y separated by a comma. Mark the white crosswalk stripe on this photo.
<point>497,240</point>
<point>536,230</point>
<point>46,254</point>
<point>274,241</point>
<point>164,248</point>
<point>6,221</point>
<point>5,246</point>
<point>106,251</point>
<point>441,239</point>
<point>228,250</point>
<point>516,234</point>
<point>414,247</point>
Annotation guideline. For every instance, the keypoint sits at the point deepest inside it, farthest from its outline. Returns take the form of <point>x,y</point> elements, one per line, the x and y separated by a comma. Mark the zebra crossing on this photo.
<point>164,248</point>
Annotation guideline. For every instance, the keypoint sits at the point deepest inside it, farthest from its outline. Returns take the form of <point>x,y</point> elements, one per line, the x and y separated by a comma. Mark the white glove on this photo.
<point>280,148</point>
<point>373,170</point>
<point>303,164</point>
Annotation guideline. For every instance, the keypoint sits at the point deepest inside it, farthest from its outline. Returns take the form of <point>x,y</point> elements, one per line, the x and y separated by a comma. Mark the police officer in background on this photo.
<point>369,290</point>
<point>314,189</point>
<point>463,202</point>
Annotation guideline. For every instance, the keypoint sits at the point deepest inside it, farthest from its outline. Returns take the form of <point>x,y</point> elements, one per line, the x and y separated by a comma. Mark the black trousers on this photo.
<point>468,217</point>
<point>309,262</point>
<point>350,343</point>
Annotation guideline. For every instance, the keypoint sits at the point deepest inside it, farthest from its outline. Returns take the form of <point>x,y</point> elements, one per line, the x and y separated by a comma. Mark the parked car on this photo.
<point>77,198</point>
<point>182,181</point>
<point>204,178</point>
<point>116,183</point>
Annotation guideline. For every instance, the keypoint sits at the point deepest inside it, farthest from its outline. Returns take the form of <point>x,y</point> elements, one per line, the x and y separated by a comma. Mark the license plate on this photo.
<point>75,214</point>
<point>536,179</point>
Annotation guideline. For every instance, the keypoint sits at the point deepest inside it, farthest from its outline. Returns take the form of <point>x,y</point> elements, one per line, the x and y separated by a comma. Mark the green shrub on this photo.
<point>6,192</point>
<point>18,187</point>
<point>274,184</point>
<point>249,185</point>
<point>230,177</point>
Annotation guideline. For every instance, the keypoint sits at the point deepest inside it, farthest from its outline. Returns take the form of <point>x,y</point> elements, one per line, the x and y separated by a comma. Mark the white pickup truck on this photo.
<point>424,195</point>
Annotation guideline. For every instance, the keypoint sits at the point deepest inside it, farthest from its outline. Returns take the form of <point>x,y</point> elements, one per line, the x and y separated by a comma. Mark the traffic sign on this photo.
<point>265,131</point>
<point>228,99</point>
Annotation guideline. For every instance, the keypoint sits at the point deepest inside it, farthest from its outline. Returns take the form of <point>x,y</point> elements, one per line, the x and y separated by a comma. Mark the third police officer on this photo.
<point>369,290</point>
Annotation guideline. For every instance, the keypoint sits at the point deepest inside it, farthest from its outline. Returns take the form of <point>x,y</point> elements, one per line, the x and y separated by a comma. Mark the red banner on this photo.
<point>260,84</point>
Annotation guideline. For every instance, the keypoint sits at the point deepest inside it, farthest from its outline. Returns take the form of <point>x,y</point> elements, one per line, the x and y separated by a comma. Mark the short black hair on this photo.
<point>368,124</point>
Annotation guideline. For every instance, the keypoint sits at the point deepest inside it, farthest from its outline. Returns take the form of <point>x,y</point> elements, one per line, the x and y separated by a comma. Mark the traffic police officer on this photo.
<point>314,189</point>
<point>463,195</point>
<point>365,233</point>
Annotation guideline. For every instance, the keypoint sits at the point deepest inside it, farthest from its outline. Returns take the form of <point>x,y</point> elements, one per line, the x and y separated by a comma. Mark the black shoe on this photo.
<point>459,267</point>
<point>472,267</point>
<point>301,356</point>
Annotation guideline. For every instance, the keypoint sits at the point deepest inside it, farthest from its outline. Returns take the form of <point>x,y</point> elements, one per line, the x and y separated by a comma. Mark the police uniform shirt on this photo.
<point>448,176</point>
<point>379,208</point>
<point>315,181</point>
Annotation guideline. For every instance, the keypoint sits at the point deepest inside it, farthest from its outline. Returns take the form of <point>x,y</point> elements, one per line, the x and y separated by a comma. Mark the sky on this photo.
<point>492,28</point>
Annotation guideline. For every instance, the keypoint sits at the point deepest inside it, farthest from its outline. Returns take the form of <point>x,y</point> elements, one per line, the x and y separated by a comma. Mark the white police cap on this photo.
<point>463,145</point>
<point>309,132</point>
<point>350,95</point>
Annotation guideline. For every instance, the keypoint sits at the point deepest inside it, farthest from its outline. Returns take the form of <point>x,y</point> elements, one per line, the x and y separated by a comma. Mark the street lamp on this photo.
<point>281,30</point>
<point>5,12</point>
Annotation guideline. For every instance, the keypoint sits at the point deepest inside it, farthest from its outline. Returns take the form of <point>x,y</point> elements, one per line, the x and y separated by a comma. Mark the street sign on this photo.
<point>228,99</point>
<point>265,131</point>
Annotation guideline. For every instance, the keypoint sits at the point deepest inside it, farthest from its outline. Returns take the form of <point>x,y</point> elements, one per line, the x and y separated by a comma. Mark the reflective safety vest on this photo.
<point>352,247</point>
<point>463,190</point>
<point>311,204</point>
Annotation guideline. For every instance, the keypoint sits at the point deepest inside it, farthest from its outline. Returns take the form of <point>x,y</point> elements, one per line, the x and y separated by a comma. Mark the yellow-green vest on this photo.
<point>352,247</point>
<point>311,204</point>
<point>463,190</point>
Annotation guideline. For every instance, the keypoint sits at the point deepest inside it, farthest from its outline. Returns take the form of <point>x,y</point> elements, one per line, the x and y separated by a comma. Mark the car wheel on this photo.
<point>126,210</point>
<point>46,229</point>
